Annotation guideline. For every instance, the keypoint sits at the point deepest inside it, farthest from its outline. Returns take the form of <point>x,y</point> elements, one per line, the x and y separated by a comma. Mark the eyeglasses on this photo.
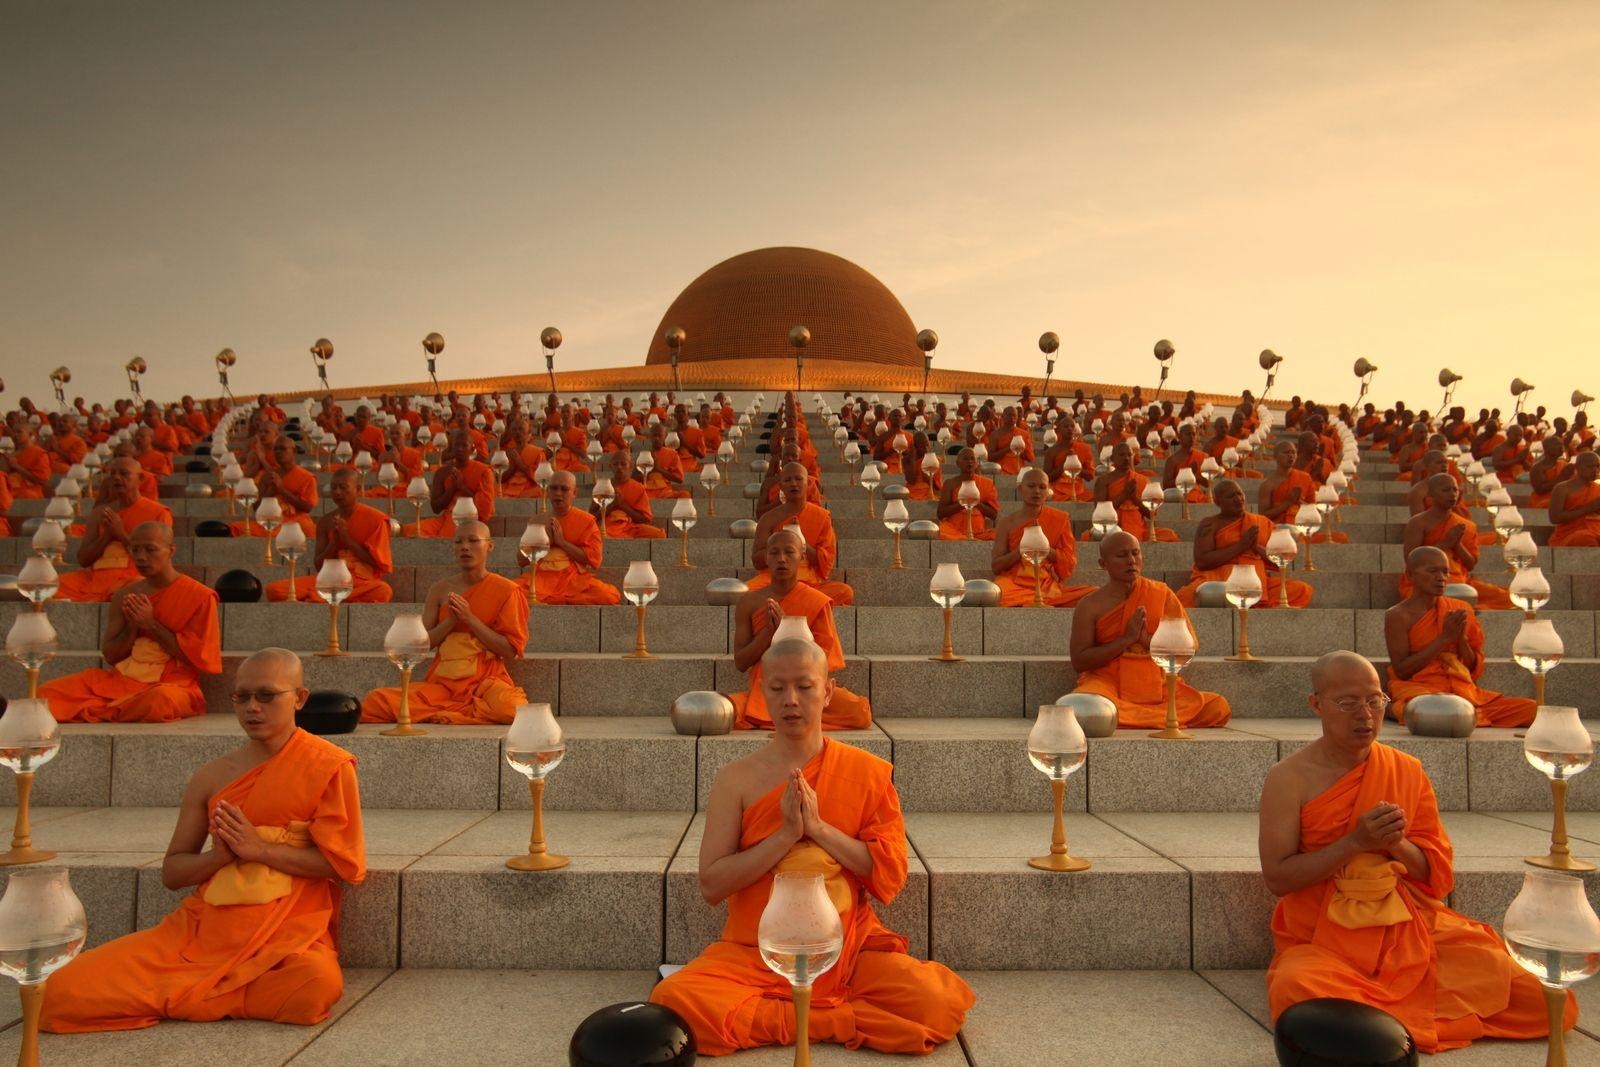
<point>260,696</point>
<point>1377,704</point>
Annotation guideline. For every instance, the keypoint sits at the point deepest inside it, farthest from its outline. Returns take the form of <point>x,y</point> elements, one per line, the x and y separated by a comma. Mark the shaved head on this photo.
<point>475,528</point>
<point>159,532</point>
<point>1422,555</point>
<point>1334,667</point>
<point>787,533</point>
<point>284,665</point>
<point>564,478</point>
<point>1115,540</point>
<point>796,650</point>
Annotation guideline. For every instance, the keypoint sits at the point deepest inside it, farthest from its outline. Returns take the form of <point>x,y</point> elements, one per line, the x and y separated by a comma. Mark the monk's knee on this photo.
<point>380,705</point>
<point>300,990</point>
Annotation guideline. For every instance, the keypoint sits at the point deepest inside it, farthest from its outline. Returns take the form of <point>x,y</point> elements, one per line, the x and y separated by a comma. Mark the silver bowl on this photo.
<point>1212,595</point>
<point>702,713</point>
<point>1095,713</point>
<point>722,592</point>
<point>1440,715</point>
<point>981,593</point>
<point>923,530</point>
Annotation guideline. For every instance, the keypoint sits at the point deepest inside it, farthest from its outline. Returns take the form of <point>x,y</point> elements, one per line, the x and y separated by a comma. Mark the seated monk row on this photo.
<point>103,555</point>
<point>1111,631</point>
<point>1353,848</point>
<point>1435,645</point>
<point>255,940</point>
<point>805,802</point>
<point>1443,527</point>
<point>162,633</point>
<point>1234,536</point>
<point>815,525</point>
<point>756,618</point>
<point>354,532</point>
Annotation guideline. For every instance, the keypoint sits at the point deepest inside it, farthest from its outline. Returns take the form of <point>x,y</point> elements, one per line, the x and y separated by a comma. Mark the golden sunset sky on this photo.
<point>1414,183</point>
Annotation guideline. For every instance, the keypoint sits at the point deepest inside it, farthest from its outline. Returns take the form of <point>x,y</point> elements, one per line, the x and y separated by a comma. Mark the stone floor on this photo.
<point>432,1017</point>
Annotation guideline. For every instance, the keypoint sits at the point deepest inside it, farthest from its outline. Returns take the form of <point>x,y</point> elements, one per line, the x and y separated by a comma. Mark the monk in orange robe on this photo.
<point>566,574</point>
<point>1014,576</point>
<point>458,475</point>
<point>478,621</point>
<point>1234,536</point>
<point>27,468</point>
<point>294,487</point>
<point>66,447</point>
<point>1283,491</point>
<point>1550,470</point>
<point>161,635</point>
<point>1185,456</point>
<point>1111,631</point>
<point>5,506</point>
<point>816,527</point>
<point>628,515</point>
<point>756,619</point>
<point>150,457</point>
<point>954,521</point>
<point>520,480</point>
<point>407,460</point>
<point>574,446</point>
<point>255,940</point>
<point>1436,646</point>
<point>665,479</point>
<point>1575,505</point>
<point>103,552</point>
<point>1124,487</point>
<point>355,532</point>
<point>806,803</point>
<point>1347,813</point>
<point>920,484</point>
<point>1443,527</point>
<point>1012,459</point>
<point>1066,485</point>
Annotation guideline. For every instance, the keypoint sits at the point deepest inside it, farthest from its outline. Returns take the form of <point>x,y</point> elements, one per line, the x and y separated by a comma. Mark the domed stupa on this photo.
<point>744,307</point>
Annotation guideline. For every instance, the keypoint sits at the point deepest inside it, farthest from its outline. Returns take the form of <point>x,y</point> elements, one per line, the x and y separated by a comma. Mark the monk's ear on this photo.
<point>301,695</point>
<point>827,691</point>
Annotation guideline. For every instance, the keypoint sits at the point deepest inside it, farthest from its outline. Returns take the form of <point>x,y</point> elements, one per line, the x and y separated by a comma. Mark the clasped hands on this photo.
<point>234,834</point>
<point>1381,828</point>
<point>139,610</point>
<point>799,807</point>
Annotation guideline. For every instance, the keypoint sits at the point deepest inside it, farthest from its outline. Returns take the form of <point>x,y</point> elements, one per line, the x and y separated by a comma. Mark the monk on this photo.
<point>816,527</point>
<point>1443,527</point>
<point>1547,472</point>
<point>1233,536</point>
<point>628,515</point>
<point>1283,491</point>
<point>665,480</point>
<point>294,487</point>
<point>1068,485</point>
<point>459,475</point>
<point>755,620</point>
<point>1012,574</point>
<point>256,938</point>
<point>356,533</point>
<point>1111,631</point>
<point>161,635</point>
<point>566,574</point>
<point>806,803</point>
<point>478,621</point>
<point>1436,646</point>
<point>1124,487</point>
<point>1346,811</point>
<point>1185,456</point>
<point>27,468</point>
<point>151,457</point>
<point>103,552</point>
<point>521,478</point>
<point>954,523</point>
<point>1575,505</point>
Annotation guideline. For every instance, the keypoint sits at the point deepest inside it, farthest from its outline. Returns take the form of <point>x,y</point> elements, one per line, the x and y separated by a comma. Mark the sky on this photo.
<point>1414,183</point>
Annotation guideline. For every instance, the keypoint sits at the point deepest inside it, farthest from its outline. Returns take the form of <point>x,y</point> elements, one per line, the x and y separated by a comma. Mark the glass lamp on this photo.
<point>1035,549</point>
<point>852,456</point>
<point>534,748</point>
<point>1552,933</point>
<point>1185,481</point>
<point>362,464</point>
<point>42,927</point>
<point>31,643</point>
<point>1281,549</point>
<point>407,647</point>
<point>710,478</point>
<point>948,588</point>
<point>800,936</point>
<point>1559,745</point>
<point>463,511</point>
<point>968,496</point>
<point>640,587</point>
<point>1327,502</point>
<point>603,493</point>
<point>1056,748</point>
<point>534,545</point>
<point>684,517</point>
<point>1172,646</point>
<point>50,541</point>
<point>38,581</point>
<point>1152,498</point>
<point>389,477</point>
<point>871,476</point>
<point>334,584</point>
<point>1244,591</point>
<point>1537,649</point>
<point>1103,520</point>
<point>1307,521</point>
<point>1529,590</point>
<point>269,516</point>
<point>417,493</point>
<point>1520,551</point>
<point>30,737</point>
<point>291,544</point>
<point>541,477</point>
<point>896,517</point>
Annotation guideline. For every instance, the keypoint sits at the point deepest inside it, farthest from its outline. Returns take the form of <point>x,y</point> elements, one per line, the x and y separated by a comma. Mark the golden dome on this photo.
<point>744,308</point>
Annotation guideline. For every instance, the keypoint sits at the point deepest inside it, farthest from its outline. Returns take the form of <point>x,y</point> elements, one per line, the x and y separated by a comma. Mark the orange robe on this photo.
<point>114,569</point>
<point>1579,533</point>
<point>70,449</point>
<point>1447,978</point>
<point>1490,597</point>
<point>303,484</point>
<point>474,479</point>
<point>1271,578</point>
<point>165,437</point>
<point>35,461</point>
<point>369,526</point>
<point>1017,584</point>
<point>876,996</point>
<point>633,493</point>
<point>466,684</point>
<point>656,482</point>
<point>846,711</point>
<point>148,685</point>
<point>1133,682</point>
<point>574,446</point>
<point>1199,494</point>
<point>368,439</point>
<point>1079,487</point>
<point>408,464</point>
<point>156,463</point>
<point>1130,516</point>
<point>250,942</point>
<point>922,488</point>
<point>1447,674</point>
<point>5,506</point>
<point>559,580</point>
<point>1308,495</point>
<point>955,527</point>
<point>522,486</point>
<point>816,526</point>
<point>1011,462</point>
<point>1537,499</point>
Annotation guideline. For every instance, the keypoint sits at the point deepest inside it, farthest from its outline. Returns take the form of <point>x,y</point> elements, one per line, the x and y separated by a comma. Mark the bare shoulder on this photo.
<point>1287,780</point>
<point>1097,603</point>
<point>217,773</point>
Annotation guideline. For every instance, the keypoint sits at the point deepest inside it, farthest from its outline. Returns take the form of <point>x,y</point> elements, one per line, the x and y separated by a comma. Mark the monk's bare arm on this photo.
<point>1284,867</point>
<point>439,623</point>
<point>724,869</point>
<point>1206,553</point>
<point>120,633</point>
<point>1088,656</point>
<point>1415,860</point>
<point>749,646</point>
<point>185,864</point>
<point>1002,559</point>
<point>1412,539</point>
